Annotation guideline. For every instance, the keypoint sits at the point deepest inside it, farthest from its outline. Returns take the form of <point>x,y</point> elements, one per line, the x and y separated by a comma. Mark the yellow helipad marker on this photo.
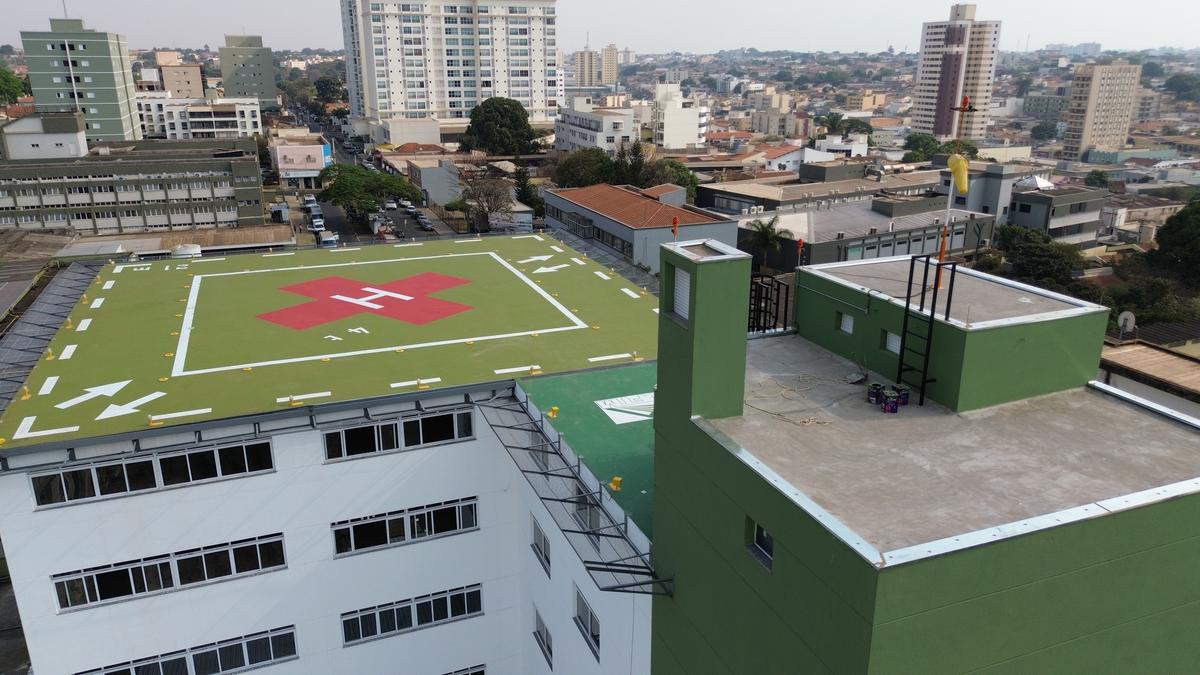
<point>25,395</point>
<point>49,354</point>
<point>151,422</point>
<point>163,379</point>
<point>615,483</point>
<point>553,412</point>
<point>326,359</point>
<point>636,357</point>
<point>247,369</point>
<point>169,354</point>
<point>174,332</point>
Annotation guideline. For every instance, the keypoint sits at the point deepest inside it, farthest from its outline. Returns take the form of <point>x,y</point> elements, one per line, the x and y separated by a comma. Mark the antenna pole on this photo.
<point>64,4</point>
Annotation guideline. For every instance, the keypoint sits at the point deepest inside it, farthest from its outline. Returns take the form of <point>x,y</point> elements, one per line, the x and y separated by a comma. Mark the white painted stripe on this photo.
<point>468,241</point>
<point>303,397</point>
<point>556,249</point>
<point>538,289</point>
<point>415,243</point>
<point>108,285</point>
<point>528,236</point>
<point>67,352</point>
<point>200,260</point>
<point>276,255</point>
<point>655,310</point>
<point>577,261</point>
<point>96,304</point>
<point>83,325</point>
<point>185,413</point>
<point>632,294</point>
<point>519,369</point>
<point>342,250</point>
<point>48,385</point>
<point>610,357</point>
<point>412,383</point>
<point>602,275</point>
<point>24,430</point>
<point>185,331</point>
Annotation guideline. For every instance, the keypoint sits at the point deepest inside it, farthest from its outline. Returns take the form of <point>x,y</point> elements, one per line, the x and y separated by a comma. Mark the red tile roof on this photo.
<point>630,208</point>
<point>781,150</point>
<point>660,190</point>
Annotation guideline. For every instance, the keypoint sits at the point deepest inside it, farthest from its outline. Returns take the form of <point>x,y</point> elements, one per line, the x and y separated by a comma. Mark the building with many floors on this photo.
<point>610,69</point>
<point>248,69</point>
<point>587,68</point>
<point>1103,101</point>
<point>164,115</point>
<point>439,59</point>
<point>75,67</point>
<point>958,59</point>
<point>677,122</point>
<point>586,125</point>
<point>183,80</point>
<point>1070,214</point>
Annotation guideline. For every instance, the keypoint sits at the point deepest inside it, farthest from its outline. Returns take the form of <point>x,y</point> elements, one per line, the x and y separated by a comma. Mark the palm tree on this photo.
<point>765,236</point>
<point>834,123</point>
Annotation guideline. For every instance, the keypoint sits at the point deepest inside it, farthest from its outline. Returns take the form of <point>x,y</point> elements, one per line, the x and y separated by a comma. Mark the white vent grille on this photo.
<point>683,292</point>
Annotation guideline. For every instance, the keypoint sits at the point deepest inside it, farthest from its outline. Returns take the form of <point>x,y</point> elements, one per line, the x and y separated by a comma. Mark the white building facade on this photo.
<point>439,59</point>
<point>339,540</point>
<point>958,58</point>
<point>678,122</point>
<point>584,125</point>
<point>163,116</point>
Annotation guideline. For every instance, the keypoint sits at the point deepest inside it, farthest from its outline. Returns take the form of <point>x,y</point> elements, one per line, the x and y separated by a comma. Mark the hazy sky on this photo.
<point>648,25</point>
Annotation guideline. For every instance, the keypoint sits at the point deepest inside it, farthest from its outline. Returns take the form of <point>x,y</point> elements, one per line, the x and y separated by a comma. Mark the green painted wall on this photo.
<point>973,369</point>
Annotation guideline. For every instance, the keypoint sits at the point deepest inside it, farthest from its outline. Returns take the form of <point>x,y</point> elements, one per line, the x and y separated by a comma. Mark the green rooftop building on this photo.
<point>248,70</point>
<point>1023,519</point>
<point>73,67</point>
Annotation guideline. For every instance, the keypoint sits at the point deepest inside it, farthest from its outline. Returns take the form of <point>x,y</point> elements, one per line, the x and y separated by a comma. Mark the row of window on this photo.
<point>411,614</point>
<point>228,656</point>
<point>105,479</point>
<point>585,620</point>
<point>405,526</point>
<point>404,434</point>
<point>168,572</point>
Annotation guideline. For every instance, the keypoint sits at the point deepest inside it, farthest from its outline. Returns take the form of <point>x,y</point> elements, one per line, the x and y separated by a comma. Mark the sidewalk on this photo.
<point>607,258</point>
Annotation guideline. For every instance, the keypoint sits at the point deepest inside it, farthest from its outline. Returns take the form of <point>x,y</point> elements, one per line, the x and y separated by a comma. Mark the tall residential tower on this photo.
<point>609,70</point>
<point>958,58</point>
<point>1100,106</point>
<point>248,69</point>
<point>75,67</point>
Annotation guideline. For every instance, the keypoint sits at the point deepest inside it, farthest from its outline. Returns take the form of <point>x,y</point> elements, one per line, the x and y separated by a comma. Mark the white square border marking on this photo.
<point>178,365</point>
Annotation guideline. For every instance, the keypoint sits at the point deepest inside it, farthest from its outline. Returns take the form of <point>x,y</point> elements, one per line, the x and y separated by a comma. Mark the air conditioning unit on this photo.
<point>745,212</point>
<point>873,230</point>
<point>840,235</point>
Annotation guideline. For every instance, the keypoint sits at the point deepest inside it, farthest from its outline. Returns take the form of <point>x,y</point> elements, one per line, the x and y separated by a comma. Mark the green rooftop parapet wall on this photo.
<point>1003,341</point>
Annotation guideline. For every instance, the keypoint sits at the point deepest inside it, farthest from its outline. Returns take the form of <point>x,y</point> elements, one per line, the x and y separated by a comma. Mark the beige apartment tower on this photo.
<point>183,81</point>
<point>586,68</point>
<point>958,58</point>
<point>1100,107</point>
<point>609,68</point>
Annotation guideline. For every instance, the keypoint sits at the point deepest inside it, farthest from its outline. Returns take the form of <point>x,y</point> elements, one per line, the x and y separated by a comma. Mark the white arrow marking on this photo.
<point>536,258</point>
<point>114,410</point>
<point>94,392</point>
<point>528,236</point>
<point>24,430</point>
<point>556,249</point>
<point>555,268</point>
<point>184,413</point>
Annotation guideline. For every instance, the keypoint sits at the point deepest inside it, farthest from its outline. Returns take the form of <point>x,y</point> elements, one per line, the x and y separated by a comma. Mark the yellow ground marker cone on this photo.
<point>178,316</point>
<point>3,441</point>
<point>84,299</point>
<point>163,379</point>
<point>470,342</point>
<point>174,333</point>
<point>151,422</point>
<point>615,483</point>
<point>421,385</point>
<point>247,369</point>
<point>169,354</point>
<point>534,370</point>
<point>293,402</point>
<point>399,351</point>
<point>326,359</point>
<point>636,357</point>
<point>70,325</point>
<point>553,413</point>
<point>595,327</point>
<point>25,395</point>
<point>535,334</point>
<point>49,354</point>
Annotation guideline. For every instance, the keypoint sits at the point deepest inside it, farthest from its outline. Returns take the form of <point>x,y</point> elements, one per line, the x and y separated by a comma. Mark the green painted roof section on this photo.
<point>127,358</point>
<point>606,447</point>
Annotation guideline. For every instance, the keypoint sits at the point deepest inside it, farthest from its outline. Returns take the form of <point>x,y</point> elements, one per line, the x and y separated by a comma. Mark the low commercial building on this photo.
<point>585,125</point>
<point>633,222</point>
<point>769,195</point>
<point>440,180</point>
<point>45,135</point>
<point>990,185</point>
<point>164,115</point>
<point>299,156</point>
<point>140,186</point>
<point>1069,214</point>
<point>841,169</point>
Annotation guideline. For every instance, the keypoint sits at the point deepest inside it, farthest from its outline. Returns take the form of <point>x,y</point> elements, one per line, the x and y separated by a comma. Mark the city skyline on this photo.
<point>895,25</point>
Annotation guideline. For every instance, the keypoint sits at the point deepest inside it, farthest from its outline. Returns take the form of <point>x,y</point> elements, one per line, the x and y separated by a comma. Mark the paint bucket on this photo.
<point>875,393</point>
<point>891,402</point>
<point>902,392</point>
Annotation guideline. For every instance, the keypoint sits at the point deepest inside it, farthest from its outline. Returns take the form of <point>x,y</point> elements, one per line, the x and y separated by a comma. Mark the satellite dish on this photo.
<point>1126,322</point>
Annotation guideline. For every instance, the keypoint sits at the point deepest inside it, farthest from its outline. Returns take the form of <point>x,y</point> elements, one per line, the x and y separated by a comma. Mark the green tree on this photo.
<point>1179,245</point>
<point>1096,178</point>
<point>784,75</point>
<point>361,191</point>
<point>1044,131</point>
<point>765,236</point>
<point>834,123</point>
<point>329,89</point>
<point>297,92</point>
<point>920,147</point>
<point>1152,69</point>
<point>965,148</point>
<point>1185,86</point>
<point>584,167</point>
<point>1023,84</point>
<point>340,112</point>
<point>1037,259</point>
<point>501,127</point>
<point>855,125</point>
<point>526,193</point>
<point>11,86</point>
<point>672,171</point>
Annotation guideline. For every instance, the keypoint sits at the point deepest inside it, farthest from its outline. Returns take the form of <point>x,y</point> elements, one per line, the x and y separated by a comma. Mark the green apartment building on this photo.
<point>248,70</point>
<point>75,67</point>
<point>1024,519</point>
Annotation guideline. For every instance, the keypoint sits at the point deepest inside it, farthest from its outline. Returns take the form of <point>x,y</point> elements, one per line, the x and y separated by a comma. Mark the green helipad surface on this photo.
<point>606,416</point>
<point>171,342</point>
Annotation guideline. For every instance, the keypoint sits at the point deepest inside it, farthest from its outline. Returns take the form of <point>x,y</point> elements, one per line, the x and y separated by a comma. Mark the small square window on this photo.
<point>761,544</point>
<point>845,323</point>
<point>891,342</point>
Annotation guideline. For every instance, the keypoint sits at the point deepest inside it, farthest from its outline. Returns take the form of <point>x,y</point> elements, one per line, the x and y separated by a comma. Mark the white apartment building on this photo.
<point>587,68</point>
<point>678,122</point>
<point>958,58</point>
<point>163,116</point>
<point>439,59</point>
<point>1101,105</point>
<point>586,125</point>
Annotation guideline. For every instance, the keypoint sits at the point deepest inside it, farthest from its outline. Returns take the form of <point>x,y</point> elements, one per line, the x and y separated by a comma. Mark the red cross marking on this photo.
<point>336,298</point>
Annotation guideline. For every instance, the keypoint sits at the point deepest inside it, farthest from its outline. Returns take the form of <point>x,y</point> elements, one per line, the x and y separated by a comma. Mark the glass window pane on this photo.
<point>78,484</point>
<point>441,609</point>
<point>233,460</point>
<point>245,558</point>
<point>437,428</point>
<point>333,445</point>
<point>412,433</point>
<point>387,621</point>
<point>148,669</point>
<point>139,579</point>
<point>191,570</point>
<point>404,618</point>
<point>360,440</point>
<point>367,624</point>
<point>396,529</point>
<point>164,571</point>
<point>283,645</point>
<point>458,604</point>
<point>258,650</point>
<point>445,520</point>
<point>464,425</point>
<point>140,475</point>
<point>75,593</point>
<point>49,489</point>
<point>341,540</point>
<point>474,602</point>
<point>420,525</point>
<point>232,656</point>
<point>111,479</point>
<point>175,666</point>
<point>206,663</point>
<point>424,613</point>
<point>216,564</point>
<point>387,437</point>
<point>258,457</point>
<point>114,584</point>
<point>203,464</point>
<point>153,582</point>
<point>350,631</point>
<point>467,512</point>
<point>370,534</point>
<point>60,588</point>
<point>174,470</point>
<point>270,554</point>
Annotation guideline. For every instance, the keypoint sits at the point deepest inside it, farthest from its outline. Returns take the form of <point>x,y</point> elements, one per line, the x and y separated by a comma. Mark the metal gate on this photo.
<point>770,304</point>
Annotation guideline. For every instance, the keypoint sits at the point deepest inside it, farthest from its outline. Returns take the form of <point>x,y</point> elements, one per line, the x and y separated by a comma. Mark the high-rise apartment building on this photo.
<point>184,80</point>
<point>587,68</point>
<point>1100,106</point>
<point>958,58</point>
<point>439,59</point>
<point>609,68</point>
<point>75,67</point>
<point>247,69</point>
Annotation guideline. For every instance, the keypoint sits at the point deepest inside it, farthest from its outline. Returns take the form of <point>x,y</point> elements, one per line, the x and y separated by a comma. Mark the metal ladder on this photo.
<point>918,321</point>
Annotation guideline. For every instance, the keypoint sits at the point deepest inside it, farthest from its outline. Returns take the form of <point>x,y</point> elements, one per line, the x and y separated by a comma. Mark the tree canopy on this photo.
<point>360,190</point>
<point>1096,178</point>
<point>631,166</point>
<point>329,89</point>
<point>1179,245</point>
<point>501,127</point>
<point>584,167</point>
<point>1186,86</point>
<point>11,86</point>
<point>922,147</point>
<point>526,193</point>
<point>1044,131</point>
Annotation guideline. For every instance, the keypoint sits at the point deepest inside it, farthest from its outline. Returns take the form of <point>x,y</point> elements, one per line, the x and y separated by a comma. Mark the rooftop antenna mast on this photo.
<point>65,14</point>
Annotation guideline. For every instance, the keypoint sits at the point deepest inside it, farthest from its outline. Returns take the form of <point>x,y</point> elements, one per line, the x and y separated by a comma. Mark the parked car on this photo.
<point>425,225</point>
<point>410,209</point>
<point>390,205</point>
<point>404,203</point>
<point>316,224</point>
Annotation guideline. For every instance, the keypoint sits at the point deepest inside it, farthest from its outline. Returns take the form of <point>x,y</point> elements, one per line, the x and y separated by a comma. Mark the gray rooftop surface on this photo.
<point>927,473</point>
<point>856,219</point>
<point>788,192</point>
<point>976,299</point>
